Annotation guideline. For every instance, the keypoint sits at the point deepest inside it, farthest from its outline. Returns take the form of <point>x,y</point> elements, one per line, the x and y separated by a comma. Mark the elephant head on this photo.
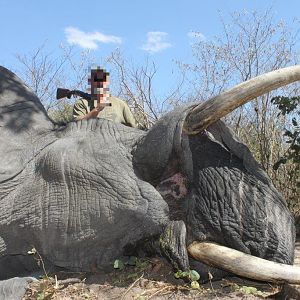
<point>89,192</point>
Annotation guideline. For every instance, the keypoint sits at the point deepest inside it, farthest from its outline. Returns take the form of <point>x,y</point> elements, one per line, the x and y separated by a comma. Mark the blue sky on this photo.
<point>159,30</point>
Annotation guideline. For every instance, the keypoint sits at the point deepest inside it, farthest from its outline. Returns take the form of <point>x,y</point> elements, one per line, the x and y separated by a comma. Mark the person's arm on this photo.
<point>80,111</point>
<point>91,115</point>
<point>128,117</point>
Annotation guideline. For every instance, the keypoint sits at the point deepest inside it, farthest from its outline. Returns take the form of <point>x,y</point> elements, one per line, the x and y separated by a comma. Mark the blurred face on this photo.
<point>99,82</point>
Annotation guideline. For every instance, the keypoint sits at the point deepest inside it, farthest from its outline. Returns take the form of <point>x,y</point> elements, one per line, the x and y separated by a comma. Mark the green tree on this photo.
<point>290,106</point>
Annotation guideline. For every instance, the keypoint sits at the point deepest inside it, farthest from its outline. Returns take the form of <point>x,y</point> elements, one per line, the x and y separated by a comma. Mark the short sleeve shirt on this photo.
<point>118,111</point>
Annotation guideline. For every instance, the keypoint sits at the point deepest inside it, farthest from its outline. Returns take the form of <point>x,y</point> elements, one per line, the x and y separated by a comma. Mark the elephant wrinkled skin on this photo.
<point>82,193</point>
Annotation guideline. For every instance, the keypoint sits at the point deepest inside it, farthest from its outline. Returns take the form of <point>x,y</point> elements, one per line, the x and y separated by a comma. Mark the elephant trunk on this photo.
<point>242,264</point>
<point>204,114</point>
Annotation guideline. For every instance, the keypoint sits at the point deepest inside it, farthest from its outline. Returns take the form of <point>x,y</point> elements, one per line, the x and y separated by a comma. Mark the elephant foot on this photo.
<point>173,245</point>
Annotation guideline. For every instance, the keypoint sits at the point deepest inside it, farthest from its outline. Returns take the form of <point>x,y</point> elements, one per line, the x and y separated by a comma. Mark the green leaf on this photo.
<point>178,274</point>
<point>281,161</point>
<point>294,122</point>
<point>288,133</point>
<point>195,285</point>
<point>194,275</point>
<point>248,290</point>
<point>40,296</point>
<point>235,287</point>
<point>286,104</point>
<point>118,264</point>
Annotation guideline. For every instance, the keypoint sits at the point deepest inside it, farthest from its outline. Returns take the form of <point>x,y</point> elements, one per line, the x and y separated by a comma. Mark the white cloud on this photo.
<point>155,42</point>
<point>89,40</point>
<point>196,35</point>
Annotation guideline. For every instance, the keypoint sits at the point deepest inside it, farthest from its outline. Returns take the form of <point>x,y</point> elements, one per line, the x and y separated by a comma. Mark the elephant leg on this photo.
<point>14,288</point>
<point>173,245</point>
<point>17,265</point>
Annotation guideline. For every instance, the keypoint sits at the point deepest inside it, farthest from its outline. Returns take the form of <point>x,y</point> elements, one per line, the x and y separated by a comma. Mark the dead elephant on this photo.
<point>92,191</point>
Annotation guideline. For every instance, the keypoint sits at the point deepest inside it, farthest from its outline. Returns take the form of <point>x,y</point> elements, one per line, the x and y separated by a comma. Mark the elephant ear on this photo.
<point>23,120</point>
<point>155,150</point>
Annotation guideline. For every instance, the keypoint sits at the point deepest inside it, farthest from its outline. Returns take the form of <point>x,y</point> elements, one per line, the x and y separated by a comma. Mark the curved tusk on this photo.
<point>242,264</point>
<point>204,114</point>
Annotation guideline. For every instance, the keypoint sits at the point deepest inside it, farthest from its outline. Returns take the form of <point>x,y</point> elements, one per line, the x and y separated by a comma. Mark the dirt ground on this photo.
<point>152,279</point>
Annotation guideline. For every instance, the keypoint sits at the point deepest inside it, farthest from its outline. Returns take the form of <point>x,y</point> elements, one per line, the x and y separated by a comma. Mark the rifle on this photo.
<point>65,93</point>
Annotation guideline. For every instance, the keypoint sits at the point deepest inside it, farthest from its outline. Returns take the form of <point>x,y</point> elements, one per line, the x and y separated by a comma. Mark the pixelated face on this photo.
<point>99,81</point>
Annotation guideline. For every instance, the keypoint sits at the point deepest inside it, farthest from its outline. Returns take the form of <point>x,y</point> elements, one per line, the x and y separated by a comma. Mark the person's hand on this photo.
<point>95,111</point>
<point>91,115</point>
